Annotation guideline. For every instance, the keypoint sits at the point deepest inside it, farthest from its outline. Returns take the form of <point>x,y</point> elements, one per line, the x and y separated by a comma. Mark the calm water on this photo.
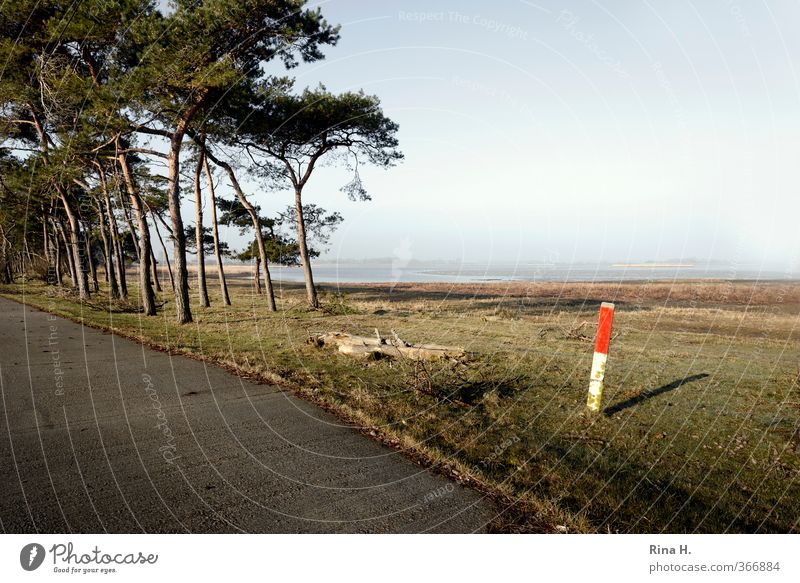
<point>472,273</point>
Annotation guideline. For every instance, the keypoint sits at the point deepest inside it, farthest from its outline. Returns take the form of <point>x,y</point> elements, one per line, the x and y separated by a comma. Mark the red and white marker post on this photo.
<point>600,357</point>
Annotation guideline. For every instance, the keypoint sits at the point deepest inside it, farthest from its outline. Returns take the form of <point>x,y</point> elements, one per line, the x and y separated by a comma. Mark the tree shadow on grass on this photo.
<point>645,395</point>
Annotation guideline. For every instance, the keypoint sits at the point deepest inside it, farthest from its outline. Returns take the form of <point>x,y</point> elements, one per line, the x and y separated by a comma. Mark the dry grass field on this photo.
<point>701,426</point>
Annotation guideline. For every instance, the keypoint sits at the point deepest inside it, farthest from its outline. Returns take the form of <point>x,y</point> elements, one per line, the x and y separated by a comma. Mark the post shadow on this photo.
<point>645,395</point>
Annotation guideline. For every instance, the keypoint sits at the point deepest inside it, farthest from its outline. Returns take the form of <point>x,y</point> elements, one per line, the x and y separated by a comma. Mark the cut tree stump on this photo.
<point>376,347</point>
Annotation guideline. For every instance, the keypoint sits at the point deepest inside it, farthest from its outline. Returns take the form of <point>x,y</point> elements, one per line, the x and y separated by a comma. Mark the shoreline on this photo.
<point>678,293</point>
<point>245,272</point>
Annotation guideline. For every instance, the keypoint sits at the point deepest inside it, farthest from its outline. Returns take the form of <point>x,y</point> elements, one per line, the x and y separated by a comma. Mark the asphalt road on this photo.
<point>99,434</point>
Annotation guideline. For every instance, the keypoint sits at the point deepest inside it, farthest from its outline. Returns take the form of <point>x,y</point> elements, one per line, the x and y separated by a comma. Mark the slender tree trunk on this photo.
<point>7,275</point>
<point>68,253</point>
<point>107,258</point>
<point>27,258</point>
<point>262,250</point>
<point>49,251</point>
<point>181,275</point>
<point>154,267</point>
<point>166,257</point>
<point>78,257</point>
<point>111,277</point>
<point>59,275</point>
<point>183,310</point>
<point>45,239</point>
<point>104,241</point>
<point>311,291</point>
<point>148,297</point>
<point>90,258</point>
<point>223,285</point>
<point>57,256</point>
<point>75,244</point>
<point>181,280</point>
<point>198,234</point>
<point>117,251</point>
<point>257,275</point>
<point>127,214</point>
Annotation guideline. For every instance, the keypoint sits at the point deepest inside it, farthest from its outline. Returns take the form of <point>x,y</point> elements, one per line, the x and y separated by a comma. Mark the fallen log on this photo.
<point>376,347</point>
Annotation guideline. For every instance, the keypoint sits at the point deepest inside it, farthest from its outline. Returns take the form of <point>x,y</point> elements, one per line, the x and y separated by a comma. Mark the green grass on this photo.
<point>716,453</point>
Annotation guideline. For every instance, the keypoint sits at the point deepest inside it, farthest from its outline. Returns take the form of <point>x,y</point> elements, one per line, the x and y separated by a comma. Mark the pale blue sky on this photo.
<point>572,131</point>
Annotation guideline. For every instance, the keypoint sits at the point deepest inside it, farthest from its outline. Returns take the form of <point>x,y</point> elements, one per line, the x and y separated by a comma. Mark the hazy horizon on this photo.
<point>393,269</point>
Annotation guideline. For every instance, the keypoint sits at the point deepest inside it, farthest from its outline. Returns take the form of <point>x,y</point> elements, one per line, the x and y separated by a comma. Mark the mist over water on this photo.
<point>451,272</point>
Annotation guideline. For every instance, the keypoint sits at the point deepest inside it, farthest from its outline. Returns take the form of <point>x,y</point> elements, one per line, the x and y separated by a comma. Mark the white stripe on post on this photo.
<point>600,357</point>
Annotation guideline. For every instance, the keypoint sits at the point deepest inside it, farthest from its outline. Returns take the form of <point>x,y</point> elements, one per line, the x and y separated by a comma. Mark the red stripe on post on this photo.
<point>604,328</point>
